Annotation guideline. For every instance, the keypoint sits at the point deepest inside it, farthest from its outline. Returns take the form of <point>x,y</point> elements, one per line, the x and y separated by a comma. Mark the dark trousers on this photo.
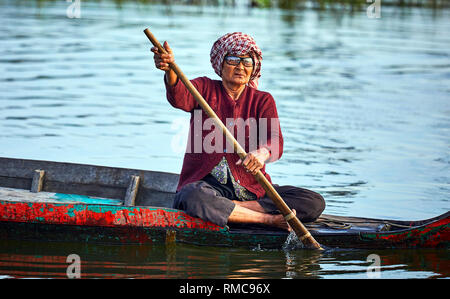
<point>209,200</point>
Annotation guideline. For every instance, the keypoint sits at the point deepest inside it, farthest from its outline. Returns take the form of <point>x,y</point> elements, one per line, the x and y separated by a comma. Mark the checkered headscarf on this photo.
<point>238,44</point>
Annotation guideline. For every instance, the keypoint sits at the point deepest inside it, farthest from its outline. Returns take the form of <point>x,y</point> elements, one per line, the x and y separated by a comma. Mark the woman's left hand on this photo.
<point>255,160</point>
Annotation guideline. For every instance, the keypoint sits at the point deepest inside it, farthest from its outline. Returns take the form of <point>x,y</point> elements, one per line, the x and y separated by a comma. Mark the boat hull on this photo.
<point>111,224</point>
<point>54,201</point>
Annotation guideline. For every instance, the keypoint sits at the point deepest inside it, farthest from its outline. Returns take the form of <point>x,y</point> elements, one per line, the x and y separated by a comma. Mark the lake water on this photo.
<point>364,106</point>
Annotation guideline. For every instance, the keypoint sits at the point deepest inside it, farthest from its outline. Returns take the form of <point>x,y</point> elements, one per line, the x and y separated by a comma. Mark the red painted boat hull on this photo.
<point>142,225</point>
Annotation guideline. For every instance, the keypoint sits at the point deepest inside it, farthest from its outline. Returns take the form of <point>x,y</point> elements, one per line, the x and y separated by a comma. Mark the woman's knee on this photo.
<point>187,196</point>
<point>200,200</point>
<point>317,206</point>
<point>308,204</point>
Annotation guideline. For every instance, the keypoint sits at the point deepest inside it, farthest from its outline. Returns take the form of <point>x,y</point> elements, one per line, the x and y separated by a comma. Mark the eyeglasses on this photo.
<point>234,60</point>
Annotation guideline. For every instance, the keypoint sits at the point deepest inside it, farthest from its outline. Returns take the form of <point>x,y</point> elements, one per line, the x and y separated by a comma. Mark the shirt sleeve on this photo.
<point>270,122</point>
<point>180,97</point>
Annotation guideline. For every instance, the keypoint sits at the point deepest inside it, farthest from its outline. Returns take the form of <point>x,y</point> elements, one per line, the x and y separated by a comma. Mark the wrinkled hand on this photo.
<point>162,61</point>
<point>255,160</point>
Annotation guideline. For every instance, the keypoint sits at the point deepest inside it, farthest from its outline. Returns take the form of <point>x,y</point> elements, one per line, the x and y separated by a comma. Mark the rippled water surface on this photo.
<point>364,107</point>
<point>49,260</point>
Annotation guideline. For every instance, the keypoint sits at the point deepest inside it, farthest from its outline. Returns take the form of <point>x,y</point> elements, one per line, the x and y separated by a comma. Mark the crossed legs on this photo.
<point>200,199</point>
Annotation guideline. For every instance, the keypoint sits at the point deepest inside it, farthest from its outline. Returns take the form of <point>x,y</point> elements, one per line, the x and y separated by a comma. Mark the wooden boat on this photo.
<point>53,201</point>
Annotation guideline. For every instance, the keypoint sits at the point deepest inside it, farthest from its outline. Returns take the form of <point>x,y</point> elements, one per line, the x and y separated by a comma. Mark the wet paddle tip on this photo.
<point>293,242</point>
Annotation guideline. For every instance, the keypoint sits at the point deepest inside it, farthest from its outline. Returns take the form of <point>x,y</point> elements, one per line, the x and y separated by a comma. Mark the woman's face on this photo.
<point>236,74</point>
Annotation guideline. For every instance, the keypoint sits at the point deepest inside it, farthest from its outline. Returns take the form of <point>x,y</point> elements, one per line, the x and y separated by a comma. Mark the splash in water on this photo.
<point>292,242</point>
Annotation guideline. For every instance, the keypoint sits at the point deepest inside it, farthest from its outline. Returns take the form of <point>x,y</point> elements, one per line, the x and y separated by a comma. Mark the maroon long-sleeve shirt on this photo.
<point>206,146</point>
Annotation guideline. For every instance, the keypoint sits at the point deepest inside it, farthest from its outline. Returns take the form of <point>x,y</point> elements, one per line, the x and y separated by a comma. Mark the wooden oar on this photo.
<point>300,230</point>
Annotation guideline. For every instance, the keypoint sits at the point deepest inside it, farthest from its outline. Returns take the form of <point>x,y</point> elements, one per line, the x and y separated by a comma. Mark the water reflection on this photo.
<point>41,259</point>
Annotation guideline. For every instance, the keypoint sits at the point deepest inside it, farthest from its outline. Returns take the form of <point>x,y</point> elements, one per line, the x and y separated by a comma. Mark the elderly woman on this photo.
<point>218,186</point>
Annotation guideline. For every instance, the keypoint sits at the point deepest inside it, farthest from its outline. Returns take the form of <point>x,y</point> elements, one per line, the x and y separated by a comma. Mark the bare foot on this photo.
<point>241,214</point>
<point>250,204</point>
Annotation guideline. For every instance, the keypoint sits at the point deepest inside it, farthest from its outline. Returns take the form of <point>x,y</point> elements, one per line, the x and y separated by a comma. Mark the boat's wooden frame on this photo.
<point>55,201</point>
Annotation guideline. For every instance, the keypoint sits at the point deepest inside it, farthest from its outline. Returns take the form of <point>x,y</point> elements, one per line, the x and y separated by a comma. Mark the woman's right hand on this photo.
<point>162,61</point>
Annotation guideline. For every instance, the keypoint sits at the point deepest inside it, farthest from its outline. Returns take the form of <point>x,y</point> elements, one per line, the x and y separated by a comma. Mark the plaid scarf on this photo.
<point>238,44</point>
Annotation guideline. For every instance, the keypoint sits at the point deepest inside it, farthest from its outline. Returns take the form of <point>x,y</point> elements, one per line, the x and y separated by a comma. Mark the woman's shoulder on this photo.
<point>261,95</point>
<point>206,85</point>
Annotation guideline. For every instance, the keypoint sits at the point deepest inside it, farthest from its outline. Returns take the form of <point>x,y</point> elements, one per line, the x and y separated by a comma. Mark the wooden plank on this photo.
<point>71,173</point>
<point>130,196</point>
<point>38,180</point>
